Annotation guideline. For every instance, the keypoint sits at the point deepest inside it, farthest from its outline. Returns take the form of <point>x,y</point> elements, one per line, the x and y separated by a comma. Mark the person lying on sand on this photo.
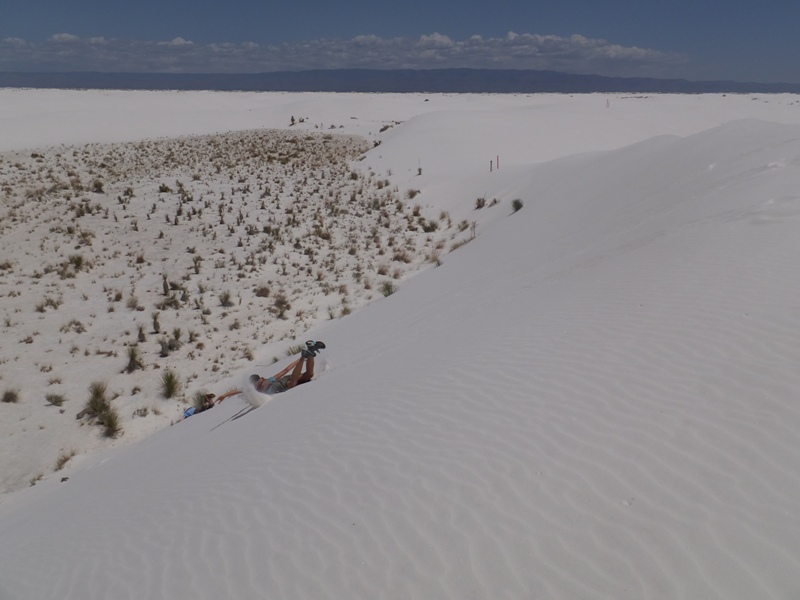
<point>291,376</point>
<point>208,402</point>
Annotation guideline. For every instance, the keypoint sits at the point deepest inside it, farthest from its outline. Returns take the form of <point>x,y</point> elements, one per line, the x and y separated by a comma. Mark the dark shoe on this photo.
<point>314,346</point>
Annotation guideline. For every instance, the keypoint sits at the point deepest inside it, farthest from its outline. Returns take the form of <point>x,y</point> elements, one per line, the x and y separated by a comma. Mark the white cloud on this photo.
<point>64,38</point>
<point>178,41</point>
<point>435,40</point>
<point>576,53</point>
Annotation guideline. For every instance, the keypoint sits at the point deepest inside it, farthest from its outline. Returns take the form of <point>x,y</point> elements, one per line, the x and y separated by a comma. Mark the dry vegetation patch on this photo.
<point>187,254</point>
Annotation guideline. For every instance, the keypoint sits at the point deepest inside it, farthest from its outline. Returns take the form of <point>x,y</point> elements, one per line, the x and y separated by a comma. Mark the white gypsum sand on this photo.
<point>593,398</point>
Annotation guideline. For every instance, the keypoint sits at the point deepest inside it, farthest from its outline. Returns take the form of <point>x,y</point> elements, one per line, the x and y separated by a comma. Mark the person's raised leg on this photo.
<point>309,373</point>
<point>297,372</point>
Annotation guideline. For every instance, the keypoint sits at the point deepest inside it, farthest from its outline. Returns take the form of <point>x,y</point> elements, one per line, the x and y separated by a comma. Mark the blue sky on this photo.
<point>694,39</point>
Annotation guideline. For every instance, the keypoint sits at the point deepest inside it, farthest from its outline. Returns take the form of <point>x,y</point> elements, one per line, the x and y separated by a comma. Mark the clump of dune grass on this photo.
<point>63,459</point>
<point>134,359</point>
<point>292,350</point>
<point>199,399</point>
<point>225,299</point>
<point>98,408</point>
<point>388,288</point>
<point>170,384</point>
<point>55,399</point>
<point>10,396</point>
<point>110,422</point>
<point>97,403</point>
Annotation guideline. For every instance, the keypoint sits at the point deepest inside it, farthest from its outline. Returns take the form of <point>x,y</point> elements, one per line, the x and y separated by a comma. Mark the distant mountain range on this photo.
<point>372,80</point>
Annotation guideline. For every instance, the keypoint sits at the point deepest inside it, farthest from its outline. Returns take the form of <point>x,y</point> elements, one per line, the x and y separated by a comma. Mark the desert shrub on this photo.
<point>429,226</point>
<point>281,305</point>
<point>480,203</point>
<point>170,383</point>
<point>388,288</point>
<point>516,204</point>
<point>73,325</point>
<point>10,396</point>
<point>63,459</point>
<point>321,233</point>
<point>168,302</point>
<point>133,302</point>
<point>225,299</point>
<point>55,399</point>
<point>48,302</point>
<point>85,238</point>
<point>458,244</point>
<point>77,261</point>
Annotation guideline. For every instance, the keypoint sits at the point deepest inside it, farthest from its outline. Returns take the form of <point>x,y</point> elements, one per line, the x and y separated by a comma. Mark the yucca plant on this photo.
<point>134,359</point>
<point>171,384</point>
<point>199,398</point>
<point>97,403</point>
<point>110,422</point>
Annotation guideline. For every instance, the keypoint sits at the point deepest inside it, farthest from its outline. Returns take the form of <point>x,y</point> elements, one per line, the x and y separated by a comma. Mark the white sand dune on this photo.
<point>595,398</point>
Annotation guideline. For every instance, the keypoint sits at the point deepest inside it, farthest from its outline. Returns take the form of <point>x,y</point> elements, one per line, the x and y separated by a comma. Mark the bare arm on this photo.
<point>227,394</point>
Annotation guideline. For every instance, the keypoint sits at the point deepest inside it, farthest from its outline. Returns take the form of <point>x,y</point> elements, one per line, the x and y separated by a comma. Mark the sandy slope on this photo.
<point>595,398</point>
